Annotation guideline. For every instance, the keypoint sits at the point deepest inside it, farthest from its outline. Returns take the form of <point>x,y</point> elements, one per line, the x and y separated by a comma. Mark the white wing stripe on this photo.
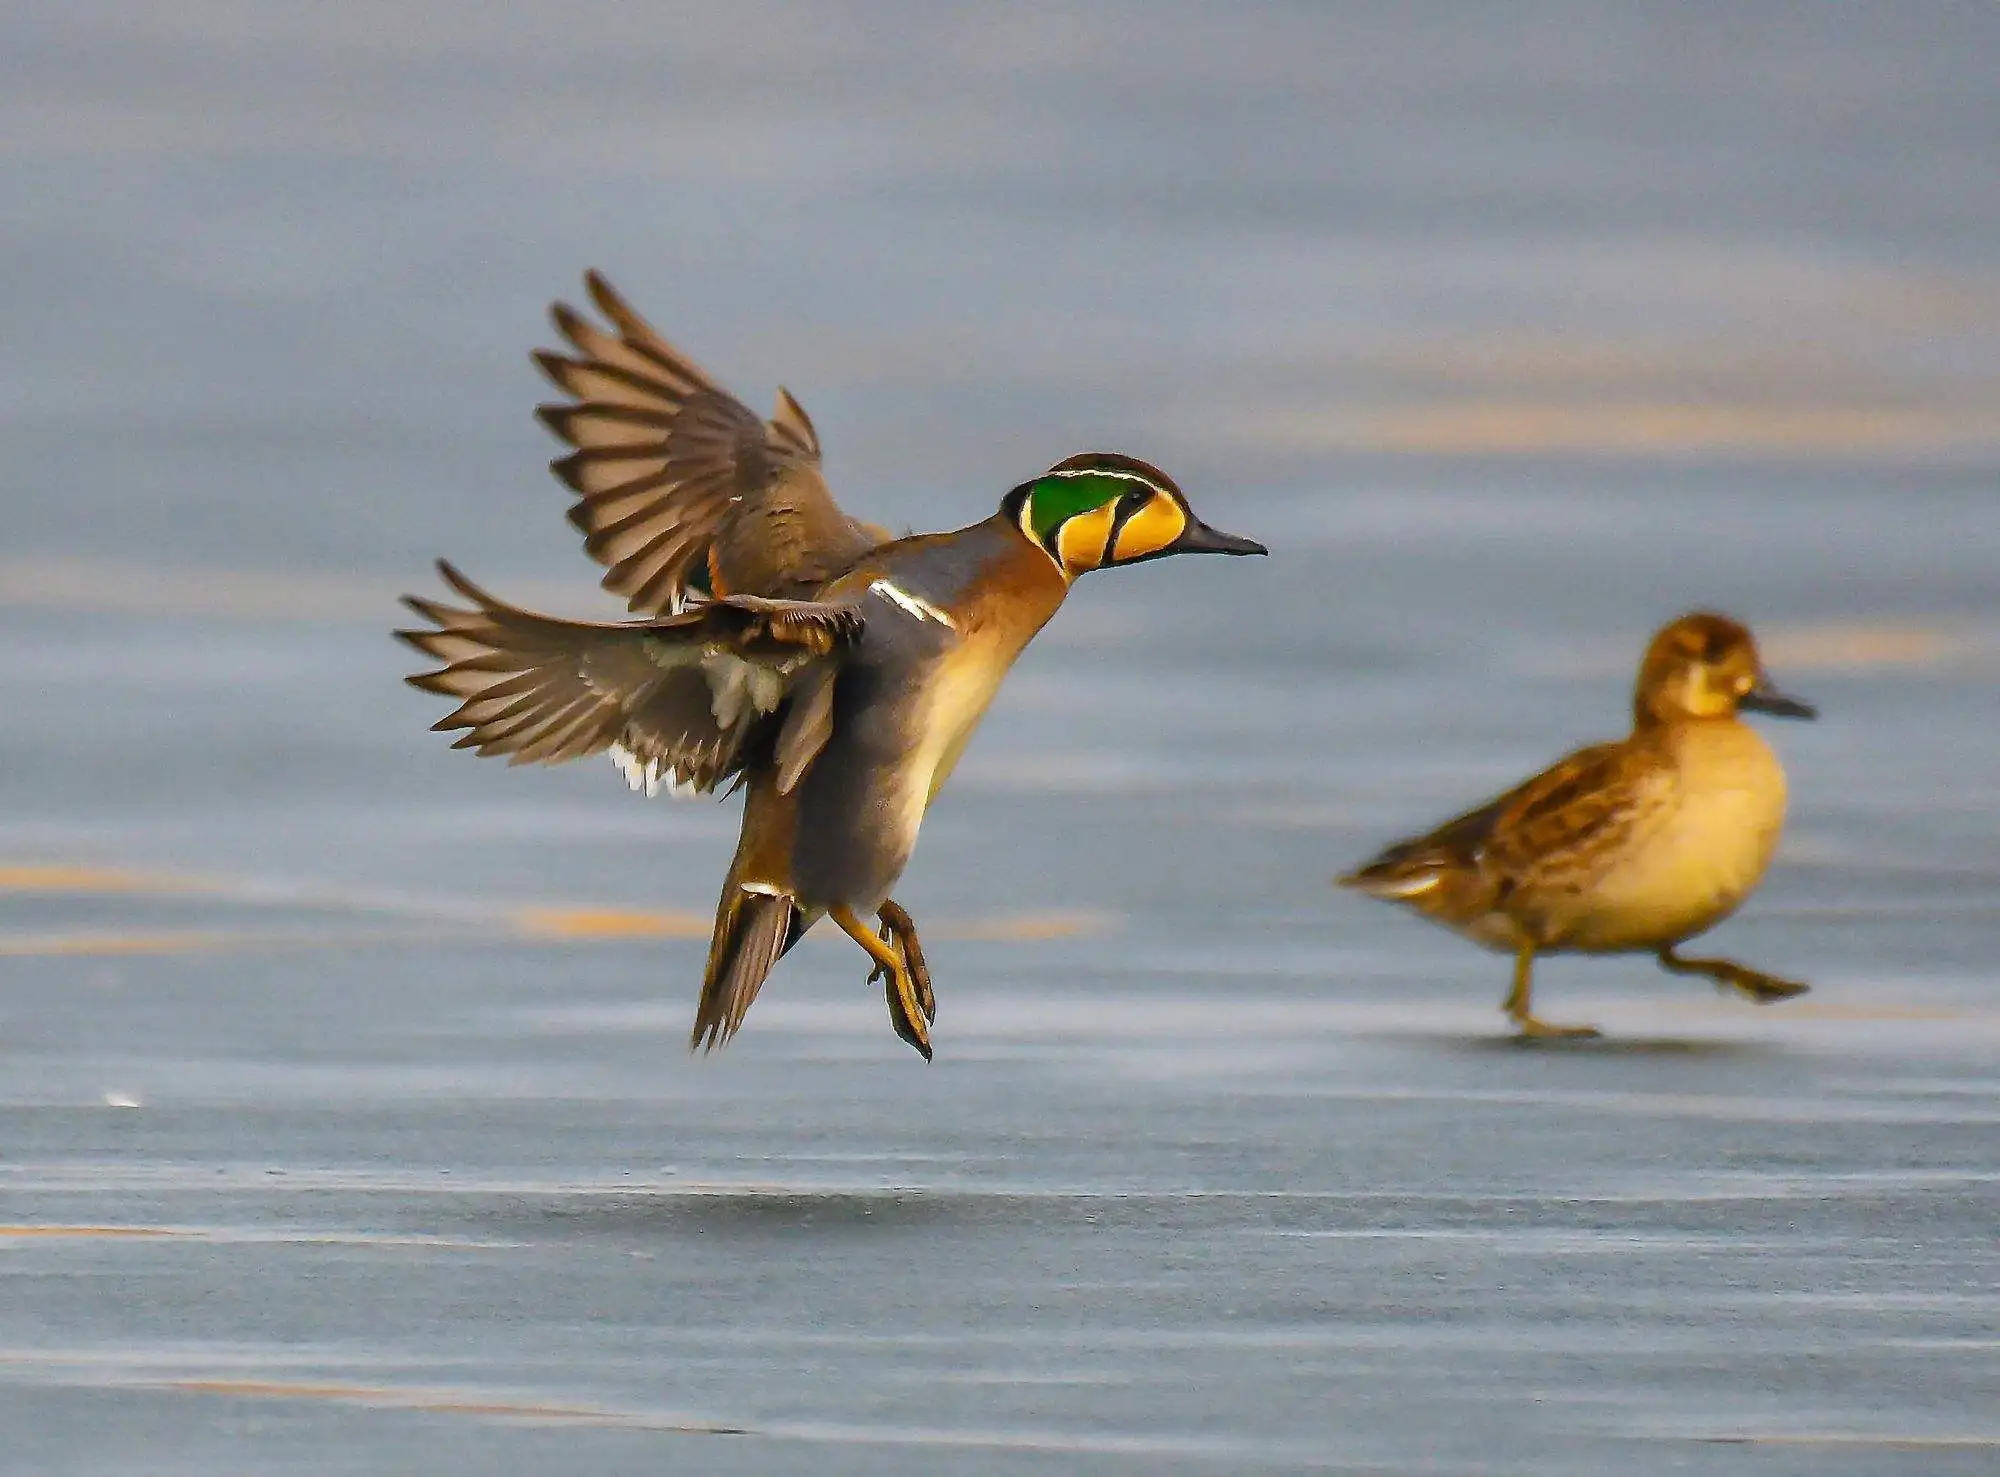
<point>915,605</point>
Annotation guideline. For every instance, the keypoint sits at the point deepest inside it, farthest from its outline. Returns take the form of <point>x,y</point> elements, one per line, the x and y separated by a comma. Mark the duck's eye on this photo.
<point>1135,497</point>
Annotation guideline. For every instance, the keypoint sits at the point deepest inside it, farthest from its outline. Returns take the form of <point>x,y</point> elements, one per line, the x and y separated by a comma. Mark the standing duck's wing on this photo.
<point>680,487</point>
<point>1561,826</point>
<point>1552,827</point>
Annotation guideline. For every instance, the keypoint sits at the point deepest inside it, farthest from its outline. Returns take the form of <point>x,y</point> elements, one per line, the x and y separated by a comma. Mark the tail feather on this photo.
<point>1411,868</point>
<point>1438,874</point>
<point>752,933</point>
<point>1395,881</point>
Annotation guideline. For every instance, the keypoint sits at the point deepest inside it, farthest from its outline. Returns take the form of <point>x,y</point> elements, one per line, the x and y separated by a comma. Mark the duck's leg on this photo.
<point>1520,1008</point>
<point>1765,989</point>
<point>906,1011</point>
<point>900,929</point>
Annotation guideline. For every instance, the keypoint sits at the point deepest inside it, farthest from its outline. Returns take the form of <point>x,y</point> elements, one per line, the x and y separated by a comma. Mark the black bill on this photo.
<point>1199,538</point>
<point>1764,698</point>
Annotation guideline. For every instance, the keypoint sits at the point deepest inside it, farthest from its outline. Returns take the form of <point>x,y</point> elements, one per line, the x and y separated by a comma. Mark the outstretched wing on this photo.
<point>679,485</point>
<point>687,698</point>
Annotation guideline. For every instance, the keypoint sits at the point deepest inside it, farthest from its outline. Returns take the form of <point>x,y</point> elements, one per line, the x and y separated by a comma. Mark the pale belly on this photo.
<point>937,643</point>
<point>957,698</point>
<point>1706,855</point>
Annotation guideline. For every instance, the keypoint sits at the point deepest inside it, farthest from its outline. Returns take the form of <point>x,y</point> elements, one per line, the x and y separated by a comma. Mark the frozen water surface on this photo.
<point>346,1124</point>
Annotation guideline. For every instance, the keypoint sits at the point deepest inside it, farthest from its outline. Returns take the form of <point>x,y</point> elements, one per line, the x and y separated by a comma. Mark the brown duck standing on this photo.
<point>1637,845</point>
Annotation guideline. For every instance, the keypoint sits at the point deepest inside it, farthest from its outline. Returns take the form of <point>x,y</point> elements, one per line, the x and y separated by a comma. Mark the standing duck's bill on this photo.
<point>1636,845</point>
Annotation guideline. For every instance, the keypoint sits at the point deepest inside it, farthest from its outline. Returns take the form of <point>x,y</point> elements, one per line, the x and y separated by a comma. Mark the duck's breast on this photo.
<point>1704,855</point>
<point>945,616</point>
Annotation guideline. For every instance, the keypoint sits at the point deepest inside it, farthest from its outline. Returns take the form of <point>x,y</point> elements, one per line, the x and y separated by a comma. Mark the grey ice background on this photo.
<point>1513,330</point>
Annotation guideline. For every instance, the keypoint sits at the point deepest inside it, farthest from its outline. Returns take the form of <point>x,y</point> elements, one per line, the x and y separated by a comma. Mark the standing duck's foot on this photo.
<point>1533,1029</point>
<point>1765,989</point>
<point>1769,989</point>
<point>1520,1009</point>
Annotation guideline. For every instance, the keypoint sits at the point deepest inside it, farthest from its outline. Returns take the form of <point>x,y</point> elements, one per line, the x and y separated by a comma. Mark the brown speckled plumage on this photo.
<point>1634,845</point>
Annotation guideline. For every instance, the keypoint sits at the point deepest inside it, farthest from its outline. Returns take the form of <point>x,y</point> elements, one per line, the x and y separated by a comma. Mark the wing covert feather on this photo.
<point>1558,821</point>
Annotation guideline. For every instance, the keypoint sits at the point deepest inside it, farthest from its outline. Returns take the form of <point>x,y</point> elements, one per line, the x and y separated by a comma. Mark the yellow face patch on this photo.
<point>1080,542</point>
<point>1150,529</point>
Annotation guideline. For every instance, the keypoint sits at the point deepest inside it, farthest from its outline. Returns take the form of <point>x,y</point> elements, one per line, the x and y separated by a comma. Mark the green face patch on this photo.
<point>1056,500</point>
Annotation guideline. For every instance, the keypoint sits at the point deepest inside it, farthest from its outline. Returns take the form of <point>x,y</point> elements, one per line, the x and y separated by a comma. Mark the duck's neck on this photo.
<point>1650,722</point>
<point>1025,566</point>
